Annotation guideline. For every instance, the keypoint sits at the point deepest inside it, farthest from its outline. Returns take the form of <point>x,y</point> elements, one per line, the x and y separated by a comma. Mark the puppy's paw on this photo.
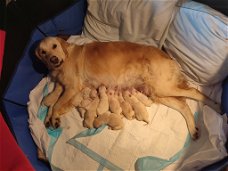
<point>87,124</point>
<point>195,134</point>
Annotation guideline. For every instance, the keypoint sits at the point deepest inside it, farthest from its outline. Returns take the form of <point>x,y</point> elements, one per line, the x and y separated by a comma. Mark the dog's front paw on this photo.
<point>55,121</point>
<point>195,134</point>
<point>47,120</point>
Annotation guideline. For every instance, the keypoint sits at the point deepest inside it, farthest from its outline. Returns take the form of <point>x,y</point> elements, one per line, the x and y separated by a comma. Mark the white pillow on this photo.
<point>198,40</point>
<point>142,21</point>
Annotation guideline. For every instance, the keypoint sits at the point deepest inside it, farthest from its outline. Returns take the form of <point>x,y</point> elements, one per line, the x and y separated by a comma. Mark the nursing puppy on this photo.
<point>112,64</point>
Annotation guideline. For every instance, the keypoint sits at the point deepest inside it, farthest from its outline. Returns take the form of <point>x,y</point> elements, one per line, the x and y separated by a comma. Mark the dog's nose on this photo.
<point>54,60</point>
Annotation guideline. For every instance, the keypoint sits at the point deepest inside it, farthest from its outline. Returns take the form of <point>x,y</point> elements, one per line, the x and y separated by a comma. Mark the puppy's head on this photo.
<point>52,51</point>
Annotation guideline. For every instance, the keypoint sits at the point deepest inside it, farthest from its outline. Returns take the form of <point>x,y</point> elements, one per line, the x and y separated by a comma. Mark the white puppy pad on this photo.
<point>163,137</point>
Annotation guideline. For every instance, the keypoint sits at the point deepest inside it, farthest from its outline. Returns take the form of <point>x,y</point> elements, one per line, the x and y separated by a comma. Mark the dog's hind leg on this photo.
<point>180,105</point>
<point>194,94</point>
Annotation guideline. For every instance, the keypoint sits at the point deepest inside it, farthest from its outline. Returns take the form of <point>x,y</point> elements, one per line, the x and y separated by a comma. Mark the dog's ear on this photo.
<point>64,44</point>
<point>37,52</point>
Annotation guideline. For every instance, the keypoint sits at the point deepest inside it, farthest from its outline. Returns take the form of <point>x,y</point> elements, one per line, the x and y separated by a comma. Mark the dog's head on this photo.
<point>52,51</point>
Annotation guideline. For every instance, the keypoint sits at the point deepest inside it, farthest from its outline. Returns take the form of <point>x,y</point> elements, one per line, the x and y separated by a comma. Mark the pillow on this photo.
<point>139,21</point>
<point>198,40</point>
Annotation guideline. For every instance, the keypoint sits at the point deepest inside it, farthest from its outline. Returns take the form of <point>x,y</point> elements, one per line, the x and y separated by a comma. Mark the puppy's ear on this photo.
<point>64,44</point>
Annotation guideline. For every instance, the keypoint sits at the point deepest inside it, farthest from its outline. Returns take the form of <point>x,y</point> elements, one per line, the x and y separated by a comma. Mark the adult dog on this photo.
<point>121,64</point>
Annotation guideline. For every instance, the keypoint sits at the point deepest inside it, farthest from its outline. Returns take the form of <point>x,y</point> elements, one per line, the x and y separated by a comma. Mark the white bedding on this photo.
<point>198,40</point>
<point>162,144</point>
<point>140,21</point>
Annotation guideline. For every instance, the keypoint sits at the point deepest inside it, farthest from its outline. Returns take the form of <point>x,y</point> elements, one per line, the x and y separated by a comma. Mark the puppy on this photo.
<point>113,120</point>
<point>142,98</point>
<point>114,105</point>
<point>112,64</point>
<point>127,110</point>
<point>91,112</point>
<point>139,108</point>
<point>103,105</point>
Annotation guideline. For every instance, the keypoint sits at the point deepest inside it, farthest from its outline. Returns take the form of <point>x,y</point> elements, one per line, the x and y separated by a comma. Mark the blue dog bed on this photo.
<point>28,75</point>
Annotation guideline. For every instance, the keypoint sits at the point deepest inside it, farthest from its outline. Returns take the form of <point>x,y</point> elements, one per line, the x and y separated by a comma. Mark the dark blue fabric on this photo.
<point>69,22</point>
<point>30,71</point>
<point>26,76</point>
<point>225,97</point>
<point>19,119</point>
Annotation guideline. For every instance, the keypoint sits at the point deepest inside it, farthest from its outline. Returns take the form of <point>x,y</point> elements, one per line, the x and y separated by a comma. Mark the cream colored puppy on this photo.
<point>142,98</point>
<point>114,105</point>
<point>139,108</point>
<point>114,121</point>
<point>127,110</point>
<point>111,64</point>
<point>103,105</point>
<point>91,113</point>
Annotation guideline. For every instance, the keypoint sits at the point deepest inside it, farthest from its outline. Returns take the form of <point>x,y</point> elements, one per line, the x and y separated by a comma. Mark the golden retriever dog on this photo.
<point>122,64</point>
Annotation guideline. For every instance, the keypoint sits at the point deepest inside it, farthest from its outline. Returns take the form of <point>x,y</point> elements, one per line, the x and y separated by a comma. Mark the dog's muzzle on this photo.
<point>55,61</point>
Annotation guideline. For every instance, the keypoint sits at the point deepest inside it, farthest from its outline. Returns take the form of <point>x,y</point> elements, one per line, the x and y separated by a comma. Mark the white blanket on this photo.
<point>164,143</point>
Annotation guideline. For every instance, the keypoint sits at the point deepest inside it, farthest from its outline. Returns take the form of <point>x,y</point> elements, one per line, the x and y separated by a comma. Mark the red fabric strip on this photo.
<point>11,156</point>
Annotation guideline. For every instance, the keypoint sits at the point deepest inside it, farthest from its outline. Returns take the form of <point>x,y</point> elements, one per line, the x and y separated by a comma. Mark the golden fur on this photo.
<point>112,64</point>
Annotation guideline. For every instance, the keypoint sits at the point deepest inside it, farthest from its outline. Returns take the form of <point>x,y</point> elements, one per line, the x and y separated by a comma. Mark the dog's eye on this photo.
<point>43,52</point>
<point>54,46</point>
